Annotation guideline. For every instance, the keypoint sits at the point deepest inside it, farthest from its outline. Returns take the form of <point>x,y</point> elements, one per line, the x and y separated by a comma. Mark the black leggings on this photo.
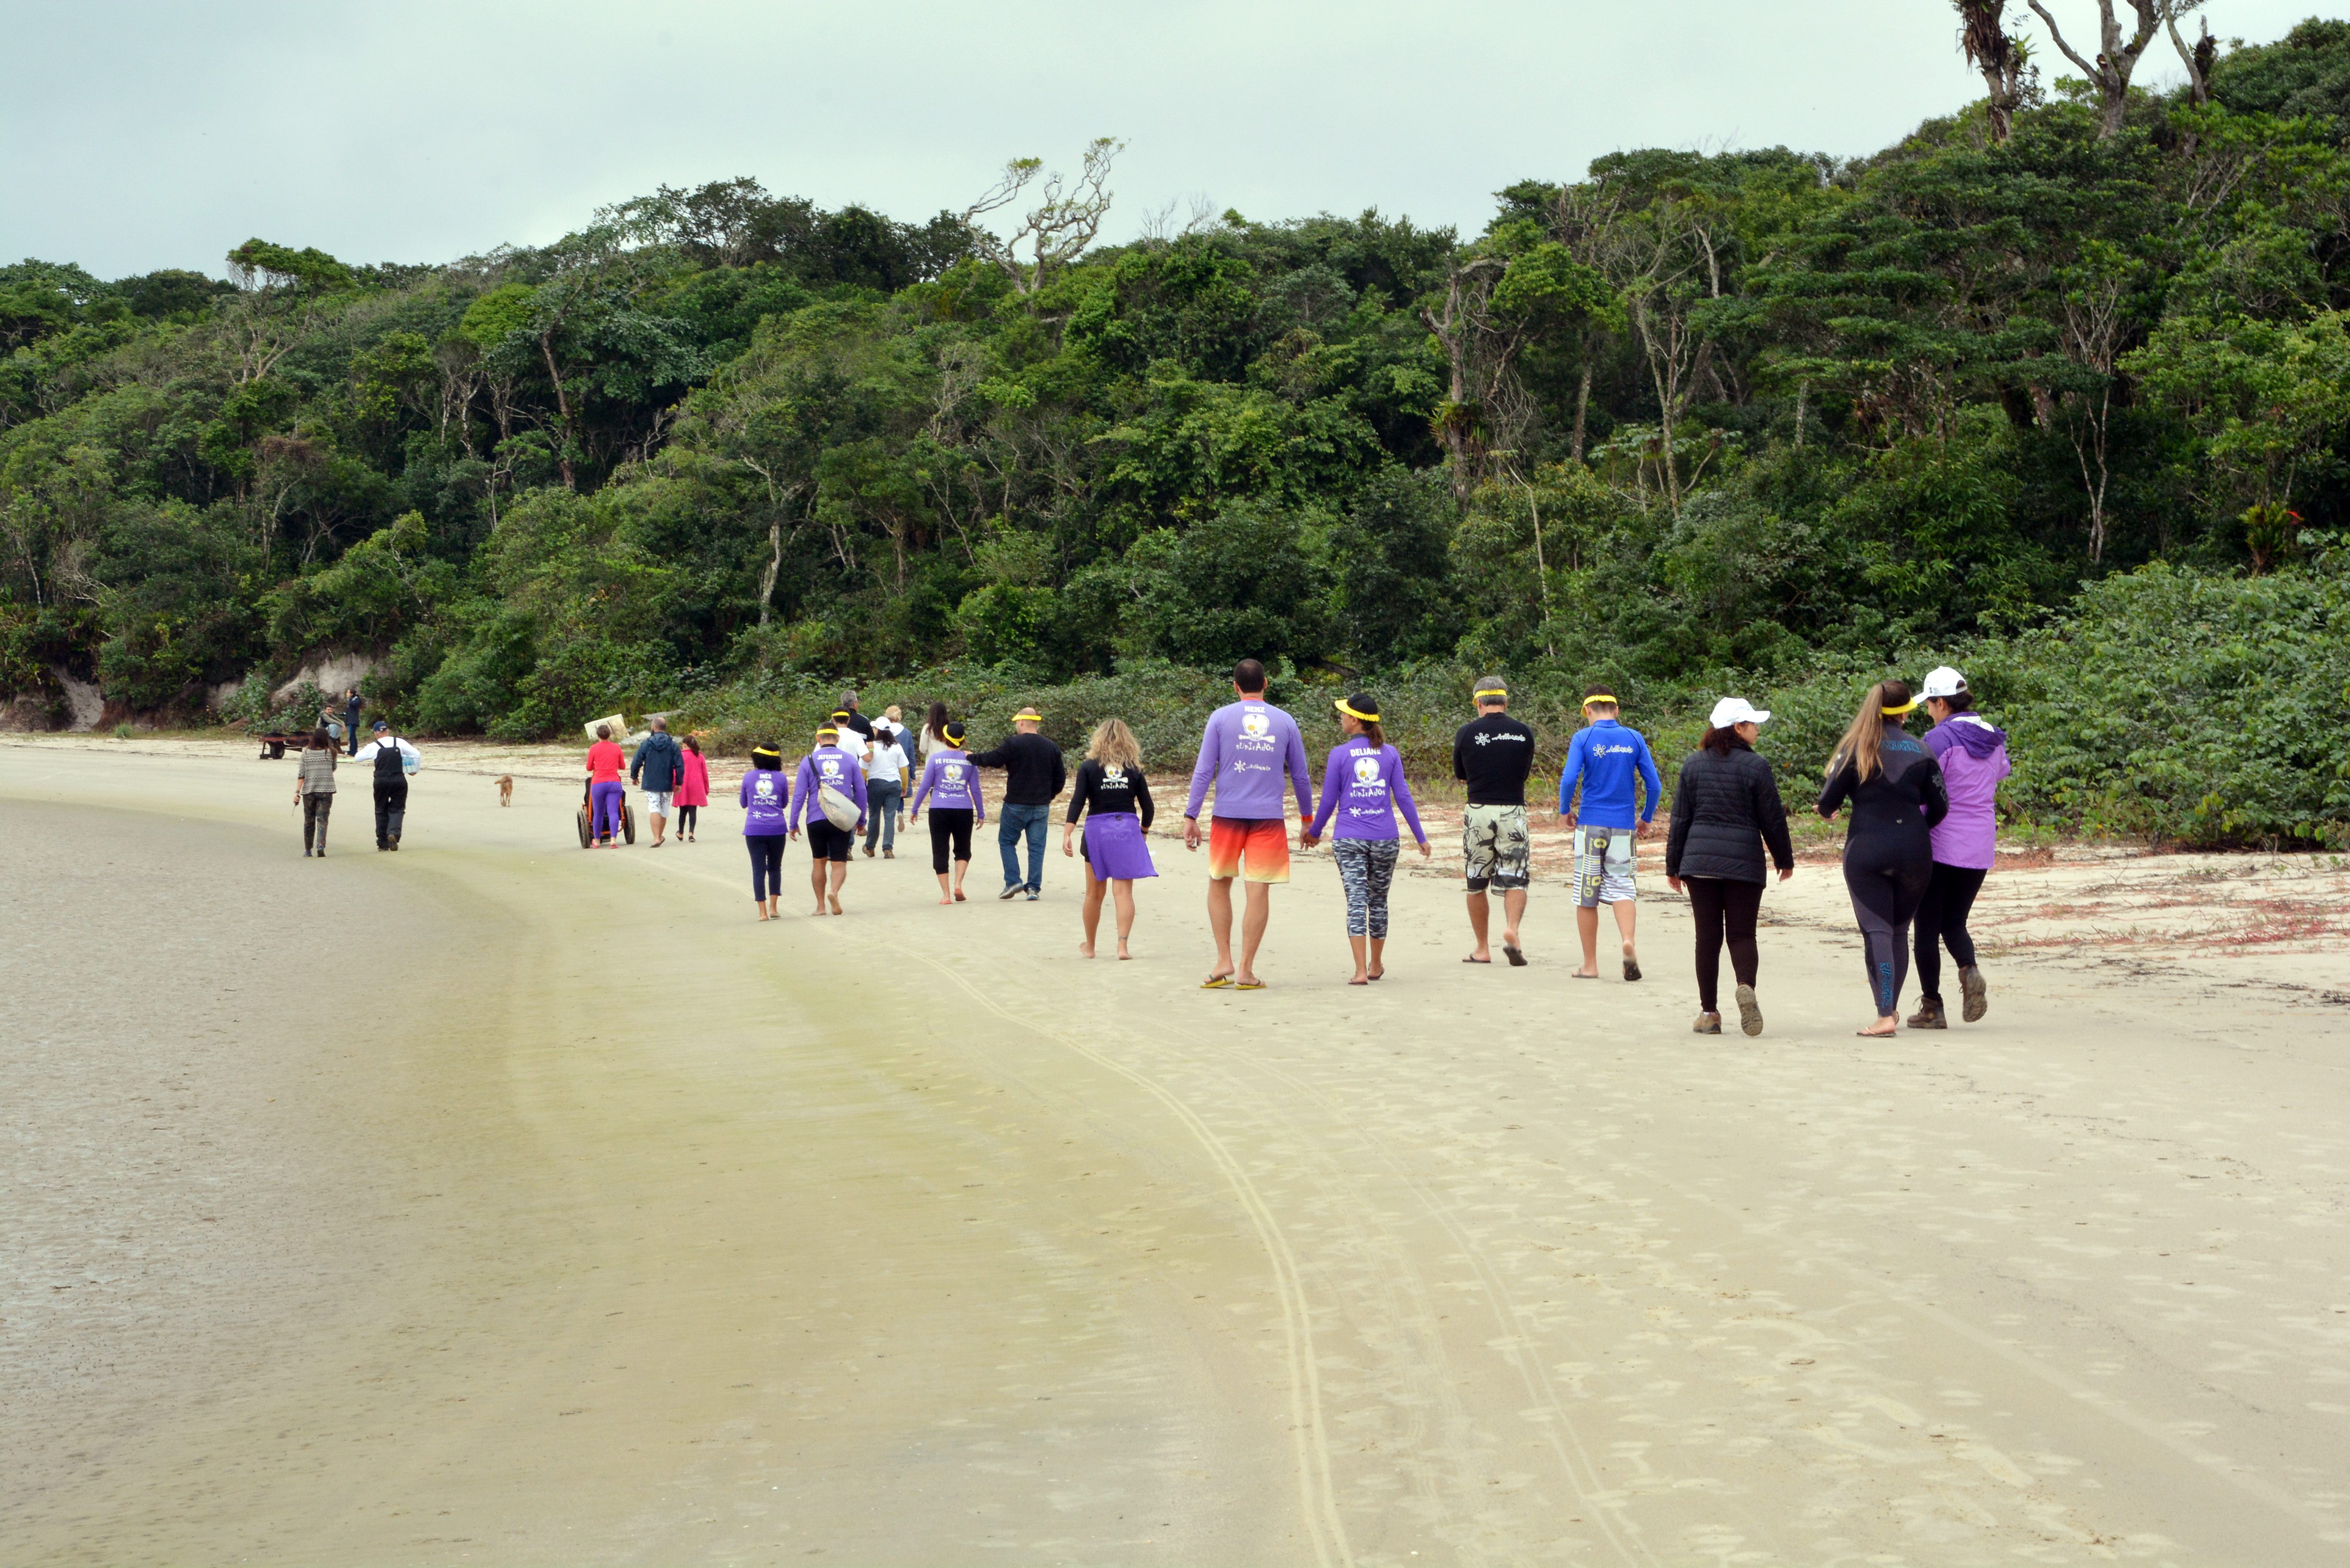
<point>1723,907</point>
<point>1885,897</point>
<point>1942,918</point>
<point>685,818</point>
<point>767,864</point>
<point>949,823</point>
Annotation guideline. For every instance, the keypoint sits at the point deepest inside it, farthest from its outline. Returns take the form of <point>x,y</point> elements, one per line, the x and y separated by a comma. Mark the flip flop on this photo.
<point>1217,982</point>
<point>1248,985</point>
<point>1517,960</point>
<point>1631,968</point>
<point>1578,974</point>
<point>1358,983</point>
<point>1476,961</point>
<point>1381,975</point>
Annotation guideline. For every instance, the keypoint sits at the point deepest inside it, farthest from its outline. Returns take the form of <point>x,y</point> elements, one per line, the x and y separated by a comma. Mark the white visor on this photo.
<point>1737,710</point>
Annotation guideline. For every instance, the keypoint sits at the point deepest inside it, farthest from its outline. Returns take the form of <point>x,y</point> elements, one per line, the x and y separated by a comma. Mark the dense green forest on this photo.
<point>1764,417</point>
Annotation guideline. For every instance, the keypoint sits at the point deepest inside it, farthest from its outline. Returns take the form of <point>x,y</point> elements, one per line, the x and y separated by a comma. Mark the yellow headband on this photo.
<point>1354,713</point>
<point>827,730</point>
<point>1897,712</point>
<point>1492,691</point>
<point>1028,716</point>
<point>1599,697</point>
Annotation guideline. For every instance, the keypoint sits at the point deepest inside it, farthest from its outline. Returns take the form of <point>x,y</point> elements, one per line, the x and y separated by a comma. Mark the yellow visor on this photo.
<point>1355,712</point>
<point>1897,712</point>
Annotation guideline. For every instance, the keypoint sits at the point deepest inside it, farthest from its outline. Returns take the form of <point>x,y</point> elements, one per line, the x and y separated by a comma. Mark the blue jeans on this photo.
<point>1015,821</point>
<point>881,805</point>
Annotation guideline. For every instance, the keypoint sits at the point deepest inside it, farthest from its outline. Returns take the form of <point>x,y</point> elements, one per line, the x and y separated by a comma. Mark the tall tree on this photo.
<point>1999,56</point>
<point>1058,229</point>
<point>2117,58</point>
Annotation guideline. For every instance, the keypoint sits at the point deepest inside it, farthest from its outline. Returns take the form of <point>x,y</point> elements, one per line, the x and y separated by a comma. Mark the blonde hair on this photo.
<point>1114,745</point>
<point>1864,740</point>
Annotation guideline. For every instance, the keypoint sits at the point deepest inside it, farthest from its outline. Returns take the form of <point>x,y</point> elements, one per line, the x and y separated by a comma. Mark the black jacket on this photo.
<point>1033,773</point>
<point>1724,809</point>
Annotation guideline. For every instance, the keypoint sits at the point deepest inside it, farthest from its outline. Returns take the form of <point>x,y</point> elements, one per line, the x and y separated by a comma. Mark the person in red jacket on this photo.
<point>605,761</point>
<point>692,789</point>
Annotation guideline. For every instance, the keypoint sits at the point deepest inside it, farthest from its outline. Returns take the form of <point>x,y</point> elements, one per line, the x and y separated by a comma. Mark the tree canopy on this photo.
<point>1682,414</point>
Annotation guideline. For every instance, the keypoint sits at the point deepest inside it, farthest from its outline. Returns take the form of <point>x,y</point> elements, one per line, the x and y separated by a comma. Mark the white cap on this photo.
<point>1737,710</point>
<point>1942,682</point>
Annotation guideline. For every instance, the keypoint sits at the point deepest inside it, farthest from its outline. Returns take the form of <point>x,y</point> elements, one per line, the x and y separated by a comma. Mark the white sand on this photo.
<point>635,1231</point>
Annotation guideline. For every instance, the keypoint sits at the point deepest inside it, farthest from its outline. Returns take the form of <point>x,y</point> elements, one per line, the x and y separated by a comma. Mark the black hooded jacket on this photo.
<point>1725,808</point>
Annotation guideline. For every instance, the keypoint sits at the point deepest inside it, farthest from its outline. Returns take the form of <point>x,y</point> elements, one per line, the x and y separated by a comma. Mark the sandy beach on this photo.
<point>500,1202</point>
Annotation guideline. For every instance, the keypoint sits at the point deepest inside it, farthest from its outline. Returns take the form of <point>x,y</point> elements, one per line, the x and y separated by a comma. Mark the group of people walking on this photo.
<point>1919,833</point>
<point>390,761</point>
<point>1920,816</point>
<point>673,773</point>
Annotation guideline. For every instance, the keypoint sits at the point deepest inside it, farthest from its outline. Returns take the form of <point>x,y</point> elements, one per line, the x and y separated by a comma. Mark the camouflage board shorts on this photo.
<point>1494,847</point>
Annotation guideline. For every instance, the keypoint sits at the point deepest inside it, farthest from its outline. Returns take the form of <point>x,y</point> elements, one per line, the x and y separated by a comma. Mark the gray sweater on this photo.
<point>318,771</point>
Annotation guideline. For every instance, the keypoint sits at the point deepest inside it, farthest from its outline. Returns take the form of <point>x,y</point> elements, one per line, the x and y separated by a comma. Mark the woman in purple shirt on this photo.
<point>763,795</point>
<point>1973,754</point>
<point>951,783</point>
<point>1363,785</point>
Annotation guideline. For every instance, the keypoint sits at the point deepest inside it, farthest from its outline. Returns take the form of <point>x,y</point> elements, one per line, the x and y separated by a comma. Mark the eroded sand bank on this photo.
<point>630,1230</point>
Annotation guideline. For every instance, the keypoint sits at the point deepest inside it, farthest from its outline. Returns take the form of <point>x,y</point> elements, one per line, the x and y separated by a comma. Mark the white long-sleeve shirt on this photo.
<point>412,759</point>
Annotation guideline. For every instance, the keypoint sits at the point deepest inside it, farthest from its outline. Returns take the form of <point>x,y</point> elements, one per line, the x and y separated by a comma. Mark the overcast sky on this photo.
<point>134,136</point>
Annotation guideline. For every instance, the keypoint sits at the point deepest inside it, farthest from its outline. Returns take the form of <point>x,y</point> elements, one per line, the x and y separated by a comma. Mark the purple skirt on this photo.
<point>1115,848</point>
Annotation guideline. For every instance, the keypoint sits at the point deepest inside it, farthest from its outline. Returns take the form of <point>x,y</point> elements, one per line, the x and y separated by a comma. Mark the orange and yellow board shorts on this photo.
<point>1262,842</point>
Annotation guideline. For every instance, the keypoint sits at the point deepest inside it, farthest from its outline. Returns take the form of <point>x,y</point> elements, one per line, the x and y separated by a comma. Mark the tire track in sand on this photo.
<point>1318,1497</point>
<point>1578,1467</point>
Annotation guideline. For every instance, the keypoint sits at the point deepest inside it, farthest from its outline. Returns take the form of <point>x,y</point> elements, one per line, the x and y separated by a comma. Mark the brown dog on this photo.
<point>505,789</point>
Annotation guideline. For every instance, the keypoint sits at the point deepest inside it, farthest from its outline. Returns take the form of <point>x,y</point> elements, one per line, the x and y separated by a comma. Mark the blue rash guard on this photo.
<point>1604,757</point>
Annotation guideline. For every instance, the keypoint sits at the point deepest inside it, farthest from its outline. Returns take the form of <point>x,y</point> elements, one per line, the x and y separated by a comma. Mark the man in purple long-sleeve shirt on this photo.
<point>828,767</point>
<point>1248,746</point>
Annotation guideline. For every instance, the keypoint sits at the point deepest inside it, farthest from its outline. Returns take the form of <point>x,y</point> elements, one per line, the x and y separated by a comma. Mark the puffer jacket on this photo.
<point>1725,808</point>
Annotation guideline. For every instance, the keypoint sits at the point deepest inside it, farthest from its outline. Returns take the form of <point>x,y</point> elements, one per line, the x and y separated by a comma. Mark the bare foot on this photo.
<point>1084,950</point>
<point>944,899</point>
<point>1122,952</point>
<point>836,906</point>
<point>818,910</point>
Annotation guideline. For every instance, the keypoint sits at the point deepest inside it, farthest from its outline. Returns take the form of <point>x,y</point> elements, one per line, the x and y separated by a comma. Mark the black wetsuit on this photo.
<point>1888,851</point>
<point>1097,792</point>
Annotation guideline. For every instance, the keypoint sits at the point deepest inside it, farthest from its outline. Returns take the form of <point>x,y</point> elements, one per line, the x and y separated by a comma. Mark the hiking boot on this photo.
<point>1707,1023</point>
<point>1929,1014</point>
<point>1975,995</point>
<point>868,852</point>
<point>889,854</point>
<point>1750,1012</point>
